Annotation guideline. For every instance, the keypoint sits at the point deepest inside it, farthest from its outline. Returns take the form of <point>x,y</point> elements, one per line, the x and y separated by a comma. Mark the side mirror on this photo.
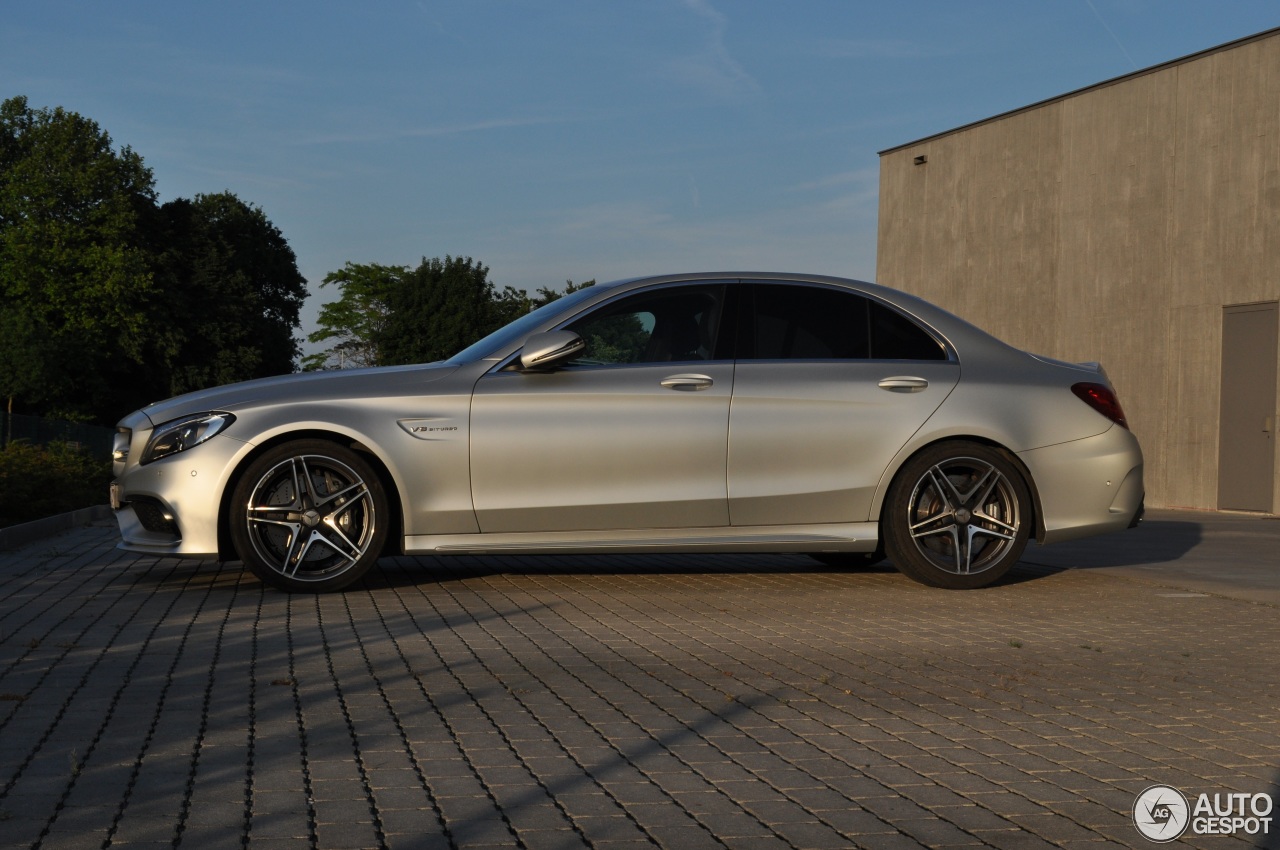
<point>548,350</point>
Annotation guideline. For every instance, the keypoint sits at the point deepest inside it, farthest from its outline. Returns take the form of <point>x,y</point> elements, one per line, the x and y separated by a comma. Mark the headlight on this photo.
<point>181,434</point>
<point>120,444</point>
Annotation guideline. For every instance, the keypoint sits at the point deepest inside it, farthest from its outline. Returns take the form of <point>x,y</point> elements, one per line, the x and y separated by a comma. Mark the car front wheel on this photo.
<point>957,516</point>
<point>309,515</point>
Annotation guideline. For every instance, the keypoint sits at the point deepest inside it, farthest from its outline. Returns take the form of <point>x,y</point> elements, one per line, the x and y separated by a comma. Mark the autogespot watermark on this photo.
<point>1163,813</point>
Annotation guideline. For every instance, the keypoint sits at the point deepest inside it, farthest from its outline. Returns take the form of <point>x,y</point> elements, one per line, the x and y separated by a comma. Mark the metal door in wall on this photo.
<point>1247,424</point>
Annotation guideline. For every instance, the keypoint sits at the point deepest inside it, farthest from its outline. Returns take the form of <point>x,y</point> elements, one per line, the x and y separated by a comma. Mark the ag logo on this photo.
<point>1161,813</point>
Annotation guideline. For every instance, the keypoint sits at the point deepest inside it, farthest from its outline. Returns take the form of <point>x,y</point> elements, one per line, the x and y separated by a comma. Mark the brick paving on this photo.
<point>614,702</point>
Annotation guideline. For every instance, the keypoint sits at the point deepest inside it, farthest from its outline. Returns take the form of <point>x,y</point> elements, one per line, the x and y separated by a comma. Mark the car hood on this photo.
<point>343,383</point>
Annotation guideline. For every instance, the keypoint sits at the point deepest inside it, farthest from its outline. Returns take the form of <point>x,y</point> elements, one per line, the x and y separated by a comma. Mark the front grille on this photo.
<point>154,517</point>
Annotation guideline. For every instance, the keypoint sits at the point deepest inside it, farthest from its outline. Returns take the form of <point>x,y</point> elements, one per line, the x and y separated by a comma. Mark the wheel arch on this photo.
<point>395,532</point>
<point>886,483</point>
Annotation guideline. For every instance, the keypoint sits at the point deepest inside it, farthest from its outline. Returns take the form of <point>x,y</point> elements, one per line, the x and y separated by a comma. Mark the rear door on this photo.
<point>828,386</point>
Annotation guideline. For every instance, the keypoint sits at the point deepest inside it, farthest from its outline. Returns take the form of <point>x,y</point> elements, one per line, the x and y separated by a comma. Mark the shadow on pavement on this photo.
<point>1153,542</point>
<point>406,570</point>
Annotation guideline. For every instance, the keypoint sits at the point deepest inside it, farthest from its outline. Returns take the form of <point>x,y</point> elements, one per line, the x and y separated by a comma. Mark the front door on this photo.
<point>633,435</point>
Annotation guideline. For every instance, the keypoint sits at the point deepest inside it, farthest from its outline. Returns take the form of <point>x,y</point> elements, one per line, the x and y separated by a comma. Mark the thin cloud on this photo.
<point>610,219</point>
<point>841,48</point>
<point>439,28</point>
<point>713,69</point>
<point>860,176</point>
<point>846,195</point>
<point>427,132</point>
<point>1111,33</point>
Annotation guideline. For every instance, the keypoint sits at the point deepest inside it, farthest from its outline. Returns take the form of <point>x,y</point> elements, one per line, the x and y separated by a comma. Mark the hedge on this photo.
<point>42,481</point>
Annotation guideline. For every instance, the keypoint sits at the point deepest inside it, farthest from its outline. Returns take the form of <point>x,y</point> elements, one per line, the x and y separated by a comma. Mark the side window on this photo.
<point>661,326</point>
<point>796,322</point>
<point>800,322</point>
<point>895,337</point>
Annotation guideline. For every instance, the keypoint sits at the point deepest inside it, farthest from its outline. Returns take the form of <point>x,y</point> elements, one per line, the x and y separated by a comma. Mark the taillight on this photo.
<point>1102,399</point>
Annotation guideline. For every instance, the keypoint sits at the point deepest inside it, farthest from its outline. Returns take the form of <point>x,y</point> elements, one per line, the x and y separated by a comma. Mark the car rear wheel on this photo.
<point>309,515</point>
<point>957,516</point>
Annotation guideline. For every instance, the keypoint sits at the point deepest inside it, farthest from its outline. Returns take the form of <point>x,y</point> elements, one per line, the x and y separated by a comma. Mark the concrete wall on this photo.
<point>1111,224</point>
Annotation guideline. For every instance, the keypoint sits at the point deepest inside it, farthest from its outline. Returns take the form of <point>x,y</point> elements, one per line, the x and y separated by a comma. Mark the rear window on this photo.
<point>798,322</point>
<point>807,323</point>
<point>895,337</point>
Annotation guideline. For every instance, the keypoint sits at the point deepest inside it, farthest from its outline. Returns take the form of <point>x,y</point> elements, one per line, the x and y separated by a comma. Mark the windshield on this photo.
<point>519,329</point>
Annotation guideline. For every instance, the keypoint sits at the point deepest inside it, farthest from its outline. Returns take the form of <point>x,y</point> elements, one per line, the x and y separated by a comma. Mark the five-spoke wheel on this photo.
<point>309,515</point>
<point>957,515</point>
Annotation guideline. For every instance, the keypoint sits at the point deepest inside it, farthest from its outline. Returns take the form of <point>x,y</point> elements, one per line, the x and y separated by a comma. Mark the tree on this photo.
<point>357,318</point>
<point>390,315</point>
<point>443,306</point>
<point>75,282</point>
<point>231,293</point>
<point>439,309</point>
<point>510,304</point>
<point>108,301</point>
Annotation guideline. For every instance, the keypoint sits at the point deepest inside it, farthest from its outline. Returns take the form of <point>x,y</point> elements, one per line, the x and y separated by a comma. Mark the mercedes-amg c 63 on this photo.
<point>728,412</point>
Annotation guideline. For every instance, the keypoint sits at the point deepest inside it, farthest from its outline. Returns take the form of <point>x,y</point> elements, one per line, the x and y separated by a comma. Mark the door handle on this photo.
<point>687,382</point>
<point>904,384</point>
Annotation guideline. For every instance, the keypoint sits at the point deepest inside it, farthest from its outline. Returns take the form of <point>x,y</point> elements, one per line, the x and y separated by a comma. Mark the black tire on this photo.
<point>848,560</point>
<point>309,516</point>
<point>958,516</point>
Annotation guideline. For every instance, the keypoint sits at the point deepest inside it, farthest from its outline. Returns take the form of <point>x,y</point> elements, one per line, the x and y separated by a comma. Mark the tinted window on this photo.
<point>798,322</point>
<point>895,337</point>
<point>660,326</point>
<point>803,323</point>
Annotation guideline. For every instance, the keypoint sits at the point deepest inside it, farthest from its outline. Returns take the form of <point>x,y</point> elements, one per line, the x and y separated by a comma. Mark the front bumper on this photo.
<point>170,506</point>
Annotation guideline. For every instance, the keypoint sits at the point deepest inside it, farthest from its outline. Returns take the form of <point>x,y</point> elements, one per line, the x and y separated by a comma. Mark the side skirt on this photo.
<point>835,537</point>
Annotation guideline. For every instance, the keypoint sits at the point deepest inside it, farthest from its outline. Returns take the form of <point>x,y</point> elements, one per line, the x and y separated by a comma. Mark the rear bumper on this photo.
<point>1089,486</point>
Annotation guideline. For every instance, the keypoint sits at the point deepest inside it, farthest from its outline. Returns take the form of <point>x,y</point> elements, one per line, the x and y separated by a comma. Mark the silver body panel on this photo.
<point>706,454</point>
<point>602,448</point>
<point>795,455</point>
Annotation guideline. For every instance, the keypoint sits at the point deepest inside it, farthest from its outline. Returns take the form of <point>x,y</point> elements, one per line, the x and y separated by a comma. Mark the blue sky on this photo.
<point>564,138</point>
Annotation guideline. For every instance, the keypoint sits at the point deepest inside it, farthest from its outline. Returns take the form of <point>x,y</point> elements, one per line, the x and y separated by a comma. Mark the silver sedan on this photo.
<point>727,412</point>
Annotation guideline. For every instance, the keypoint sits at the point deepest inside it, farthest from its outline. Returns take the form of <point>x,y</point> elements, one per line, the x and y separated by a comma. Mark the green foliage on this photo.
<point>614,339</point>
<point>438,309</point>
<point>74,278</point>
<point>390,315</point>
<point>510,304</point>
<point>41,481</point>
<point>230,294</point>
<point>108,301</point>
<point>357,318</point>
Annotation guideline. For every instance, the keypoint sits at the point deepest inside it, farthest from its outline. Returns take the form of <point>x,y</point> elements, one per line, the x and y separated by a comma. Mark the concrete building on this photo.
<point>1135,222</point>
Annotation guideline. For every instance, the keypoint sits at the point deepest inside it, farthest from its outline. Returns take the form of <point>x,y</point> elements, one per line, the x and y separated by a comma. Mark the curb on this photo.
<point>28,532</point>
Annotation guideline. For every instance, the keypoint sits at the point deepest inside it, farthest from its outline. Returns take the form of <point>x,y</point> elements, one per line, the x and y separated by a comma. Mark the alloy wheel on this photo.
<point>310,518</point>
<point>963,515</point>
